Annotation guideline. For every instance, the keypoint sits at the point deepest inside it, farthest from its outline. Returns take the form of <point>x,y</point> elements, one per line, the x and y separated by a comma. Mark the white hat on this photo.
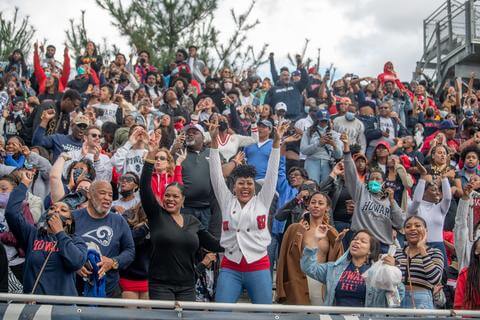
<point>281,106</point>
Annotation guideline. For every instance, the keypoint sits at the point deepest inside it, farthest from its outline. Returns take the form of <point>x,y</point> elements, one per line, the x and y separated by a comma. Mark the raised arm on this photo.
<point>353,184</point>
<point>447,196</point>
<point>222,193</point>
<point>149,202</point>
<point>13,212</point>
<point>57,191</point>
<point>268,189</point>
<point>65,68</point>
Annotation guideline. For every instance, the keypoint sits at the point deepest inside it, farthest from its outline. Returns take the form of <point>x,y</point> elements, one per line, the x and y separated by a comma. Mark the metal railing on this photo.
<point>236,307</point>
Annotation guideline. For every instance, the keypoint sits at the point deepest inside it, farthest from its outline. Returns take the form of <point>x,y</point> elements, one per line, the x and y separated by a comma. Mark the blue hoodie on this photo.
<point>58,143</point>
<point>69,255</point>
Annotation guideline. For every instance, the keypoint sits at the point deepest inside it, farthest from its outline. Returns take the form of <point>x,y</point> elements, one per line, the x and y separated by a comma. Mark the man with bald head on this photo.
<point>98,226</point>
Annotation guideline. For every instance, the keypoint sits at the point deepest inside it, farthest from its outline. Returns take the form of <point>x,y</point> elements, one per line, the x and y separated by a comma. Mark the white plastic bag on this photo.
<point>382,276</point>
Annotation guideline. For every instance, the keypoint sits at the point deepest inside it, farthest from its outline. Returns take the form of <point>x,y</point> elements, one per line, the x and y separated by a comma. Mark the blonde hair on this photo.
<point>171,162</point>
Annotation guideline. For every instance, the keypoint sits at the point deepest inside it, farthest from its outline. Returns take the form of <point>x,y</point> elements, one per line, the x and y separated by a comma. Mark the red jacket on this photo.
<point>390,76</point>
<point>460,291</point>
<point>160,181</point>
<point>42,78</point>
<point>452,143</point>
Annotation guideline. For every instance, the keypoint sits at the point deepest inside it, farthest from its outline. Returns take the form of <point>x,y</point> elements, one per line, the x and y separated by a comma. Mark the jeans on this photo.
<point>231,284</point>
<point>158,291</point>
<point>317,170</point>
<point>422,297</point>
<point>340,226</point>
<point>273,249</point>
<point>202,214</point>
<point>440,246</point>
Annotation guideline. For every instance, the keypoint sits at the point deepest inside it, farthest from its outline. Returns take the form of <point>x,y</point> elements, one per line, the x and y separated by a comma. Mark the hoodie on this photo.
<point>390,76</point>
<point>161,180</point>
<point>373,213</point>
<point>69,252</point>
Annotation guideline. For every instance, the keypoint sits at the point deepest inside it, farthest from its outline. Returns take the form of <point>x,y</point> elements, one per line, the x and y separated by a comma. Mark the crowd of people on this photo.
<point>180,183</point>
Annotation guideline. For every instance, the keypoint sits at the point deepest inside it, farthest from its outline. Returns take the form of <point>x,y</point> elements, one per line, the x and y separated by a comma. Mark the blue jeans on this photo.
<point>272,250</point>
<point>202,214</point>
<point>231,283</point>
<point>423,299</point>
<point>317,170</point>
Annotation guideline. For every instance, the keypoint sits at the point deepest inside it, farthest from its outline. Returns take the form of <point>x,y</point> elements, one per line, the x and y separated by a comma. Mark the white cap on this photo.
<point>281,106</point>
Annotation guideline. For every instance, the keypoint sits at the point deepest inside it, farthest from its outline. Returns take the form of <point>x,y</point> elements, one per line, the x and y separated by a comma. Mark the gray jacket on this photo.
<point>314,149</point>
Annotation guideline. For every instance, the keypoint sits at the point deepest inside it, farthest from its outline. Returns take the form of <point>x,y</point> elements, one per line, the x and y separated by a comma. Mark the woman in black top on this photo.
<point>175,239</point>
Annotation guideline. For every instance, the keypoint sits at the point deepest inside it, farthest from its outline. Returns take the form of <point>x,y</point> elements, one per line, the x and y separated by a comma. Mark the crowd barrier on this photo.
<point>36,307</point>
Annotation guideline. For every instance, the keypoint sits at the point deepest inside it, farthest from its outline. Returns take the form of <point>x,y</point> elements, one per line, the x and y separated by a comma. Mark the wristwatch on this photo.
<point>115,264</point>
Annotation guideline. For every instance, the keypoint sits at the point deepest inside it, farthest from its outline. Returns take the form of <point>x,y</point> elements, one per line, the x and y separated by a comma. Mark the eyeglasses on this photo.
<point>82,126</point>
<point>127,179</point>
<point>95,135</point>
<point>161,158</point>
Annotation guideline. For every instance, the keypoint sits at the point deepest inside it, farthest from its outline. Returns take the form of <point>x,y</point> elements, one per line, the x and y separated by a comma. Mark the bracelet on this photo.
<point>150,161</point>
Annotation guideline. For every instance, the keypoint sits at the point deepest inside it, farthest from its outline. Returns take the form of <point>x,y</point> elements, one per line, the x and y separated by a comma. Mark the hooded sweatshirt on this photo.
<point>161,180</point>
<point>390,76</point>
<point>69,252</point>
<point>371,212</point>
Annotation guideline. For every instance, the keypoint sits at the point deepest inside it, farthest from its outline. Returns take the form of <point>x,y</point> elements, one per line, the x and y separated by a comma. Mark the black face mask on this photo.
<point>222,125</point>
<point>126,193</point>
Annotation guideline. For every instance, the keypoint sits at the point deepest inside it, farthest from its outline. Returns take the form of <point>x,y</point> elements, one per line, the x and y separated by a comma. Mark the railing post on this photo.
<point>439,49</point>
<point>424,36</point>
<point>449,21</point>
<point>469,25</point>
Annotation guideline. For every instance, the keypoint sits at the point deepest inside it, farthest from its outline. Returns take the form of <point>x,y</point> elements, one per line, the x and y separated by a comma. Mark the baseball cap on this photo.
<point>383,143</point>
<point>281,106</point>
<point>19,99</point>
<point>296,73</point>
<point>447,124</point>
<point>265,123</point>
<point>81,119</point>
<point>323,115</point>
<point>194,126</point>
<point>210,78</point>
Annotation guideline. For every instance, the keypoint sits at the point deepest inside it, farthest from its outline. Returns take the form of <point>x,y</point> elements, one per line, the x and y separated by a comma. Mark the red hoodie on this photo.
<point>42,78</point>
<point>160,181</point>
<point>390,76</point>
<point>460,291</point>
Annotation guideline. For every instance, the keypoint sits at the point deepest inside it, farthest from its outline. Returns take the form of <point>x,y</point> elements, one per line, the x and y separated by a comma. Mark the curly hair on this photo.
<point>470,149</point>
<point>244,171</point>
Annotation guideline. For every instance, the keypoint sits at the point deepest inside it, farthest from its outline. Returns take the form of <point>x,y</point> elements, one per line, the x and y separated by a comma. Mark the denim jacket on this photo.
<point>329,273</point>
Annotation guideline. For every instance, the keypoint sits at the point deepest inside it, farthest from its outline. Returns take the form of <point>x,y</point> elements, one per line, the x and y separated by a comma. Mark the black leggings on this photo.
<point>159,291</point>
<point>18,271</point>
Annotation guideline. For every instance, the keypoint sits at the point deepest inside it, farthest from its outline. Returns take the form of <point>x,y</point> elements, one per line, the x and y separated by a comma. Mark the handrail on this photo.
<point>27,298</point>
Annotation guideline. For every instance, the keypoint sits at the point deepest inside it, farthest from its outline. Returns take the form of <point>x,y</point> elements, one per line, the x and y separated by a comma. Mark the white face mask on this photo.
<point>228,86</point>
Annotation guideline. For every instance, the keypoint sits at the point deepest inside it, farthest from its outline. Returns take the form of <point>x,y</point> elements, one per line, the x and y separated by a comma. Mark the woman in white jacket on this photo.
<point>245,234</point>
<point>467,226</point>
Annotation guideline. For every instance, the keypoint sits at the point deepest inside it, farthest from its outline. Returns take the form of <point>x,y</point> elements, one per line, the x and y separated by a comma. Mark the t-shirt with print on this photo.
<point>108,112</point>
<point>351,289</point>
<point>113,237</point>
<point>386,125</point>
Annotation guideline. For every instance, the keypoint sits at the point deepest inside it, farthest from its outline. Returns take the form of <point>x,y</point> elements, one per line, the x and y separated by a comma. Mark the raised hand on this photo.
<point>321,231</point>
<point>342,235</point>
<point>213,127</point>
<point>181,156</point>
<point>421,169</point>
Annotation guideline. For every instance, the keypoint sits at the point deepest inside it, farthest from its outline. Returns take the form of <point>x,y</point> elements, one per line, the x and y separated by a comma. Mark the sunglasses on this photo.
<point>95,135</point>
<point>82,126</point>
<point>161,158</point>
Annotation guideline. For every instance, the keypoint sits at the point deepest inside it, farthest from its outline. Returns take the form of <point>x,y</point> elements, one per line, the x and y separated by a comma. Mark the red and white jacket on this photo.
<point>244,230</point>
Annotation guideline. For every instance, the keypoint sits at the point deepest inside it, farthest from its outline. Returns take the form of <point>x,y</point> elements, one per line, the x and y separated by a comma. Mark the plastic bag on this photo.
<point>382,276</point>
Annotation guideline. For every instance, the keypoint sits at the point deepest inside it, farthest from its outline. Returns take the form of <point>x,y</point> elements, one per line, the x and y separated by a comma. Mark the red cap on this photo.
<point>383,143</point>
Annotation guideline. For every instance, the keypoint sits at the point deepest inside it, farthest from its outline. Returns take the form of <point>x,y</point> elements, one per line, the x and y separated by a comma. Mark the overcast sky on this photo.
<point>356,35</point>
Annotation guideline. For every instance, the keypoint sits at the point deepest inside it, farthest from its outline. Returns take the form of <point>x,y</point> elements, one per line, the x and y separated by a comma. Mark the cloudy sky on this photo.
<point>356,35</point>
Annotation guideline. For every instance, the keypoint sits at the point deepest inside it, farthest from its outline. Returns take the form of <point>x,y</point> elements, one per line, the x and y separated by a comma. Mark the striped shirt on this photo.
<point>425,271</point>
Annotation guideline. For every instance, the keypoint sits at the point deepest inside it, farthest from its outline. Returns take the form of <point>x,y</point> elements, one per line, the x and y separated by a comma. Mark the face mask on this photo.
<point>222,125</point>
<point>77,172</point>
<point>350,116</point>
<point>228,86</point>
<point>321,130</point>
<point>126,193</point>
<point>4,199</point>
<point>307,109</point>
<point>374,186</point>
<point>80,70</point>
<point>242,116</point>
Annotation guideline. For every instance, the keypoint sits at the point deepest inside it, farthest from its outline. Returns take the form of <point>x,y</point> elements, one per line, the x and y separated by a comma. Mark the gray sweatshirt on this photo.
<point>371,212</point>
